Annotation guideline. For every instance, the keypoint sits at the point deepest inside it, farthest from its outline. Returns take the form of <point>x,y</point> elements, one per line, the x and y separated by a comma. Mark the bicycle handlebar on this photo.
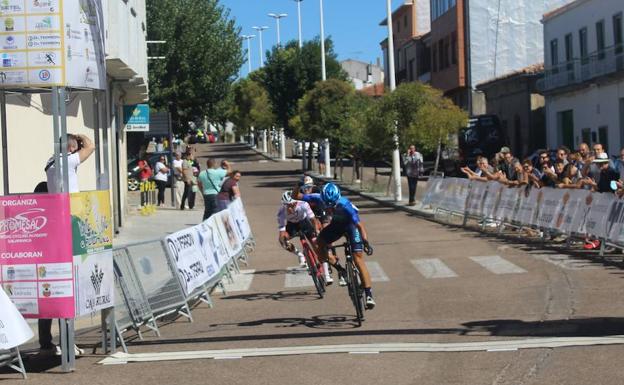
<point>368,249</point>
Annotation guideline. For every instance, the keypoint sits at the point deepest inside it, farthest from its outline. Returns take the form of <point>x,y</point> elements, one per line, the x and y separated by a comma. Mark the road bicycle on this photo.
<point>354,283</point>
<point>315,267</point>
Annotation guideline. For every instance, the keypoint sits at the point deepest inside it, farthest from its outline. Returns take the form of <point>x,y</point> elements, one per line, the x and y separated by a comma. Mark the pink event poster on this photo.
<point>36,254</point>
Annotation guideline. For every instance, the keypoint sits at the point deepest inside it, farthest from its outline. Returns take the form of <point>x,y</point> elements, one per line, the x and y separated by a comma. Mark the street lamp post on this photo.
<point>323,70</point>
<point>396,166</point>
<point>248,38</point>
<point>260,29</point>
<point>299,22</point>
<point>277,17</point>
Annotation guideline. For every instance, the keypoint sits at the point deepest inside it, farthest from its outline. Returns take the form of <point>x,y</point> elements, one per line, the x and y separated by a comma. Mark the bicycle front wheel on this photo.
<point>355,291</point>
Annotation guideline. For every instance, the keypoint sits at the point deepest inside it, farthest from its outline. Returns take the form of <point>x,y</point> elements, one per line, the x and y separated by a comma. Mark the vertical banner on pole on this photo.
<point>93,251</point>
<point>35,261</point>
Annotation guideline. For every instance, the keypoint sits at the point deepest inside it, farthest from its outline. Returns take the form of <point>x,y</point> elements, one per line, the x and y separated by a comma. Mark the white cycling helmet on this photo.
<point>287,197</point>
<point>308,181</point>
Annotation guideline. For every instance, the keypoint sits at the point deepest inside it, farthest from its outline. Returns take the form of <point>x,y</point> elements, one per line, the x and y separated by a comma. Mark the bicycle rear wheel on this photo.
<point>319,282</point>
<point>355,291</point>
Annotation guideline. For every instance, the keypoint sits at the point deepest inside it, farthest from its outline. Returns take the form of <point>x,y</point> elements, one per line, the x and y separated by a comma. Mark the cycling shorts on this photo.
<point>304,226</point>
<point>335,230</point>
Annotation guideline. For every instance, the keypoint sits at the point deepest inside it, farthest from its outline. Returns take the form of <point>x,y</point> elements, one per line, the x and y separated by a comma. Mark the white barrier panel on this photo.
<point>573,208</point>
<point>210,233</point>
<point>614,220</point>
<point>14,330</point>
<point>433,189</point>
<point>549,205</point>
<point>190,253</point>
<point>456,194</point>
<point>596,219</point>
<point>230,237</point>
<point>492,197</point>
<point>237,210</point>
<point>508,203</point>
<point>474,205</point>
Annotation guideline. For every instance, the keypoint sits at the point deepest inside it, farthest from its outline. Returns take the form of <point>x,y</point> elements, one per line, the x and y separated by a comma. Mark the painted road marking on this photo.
<point>242,281</point>
<point>298,277</point>
<point>492,346</point>
<point>498,265</point>
<point>433,268</point>
<point>566,262</point>
<point>376,272</point>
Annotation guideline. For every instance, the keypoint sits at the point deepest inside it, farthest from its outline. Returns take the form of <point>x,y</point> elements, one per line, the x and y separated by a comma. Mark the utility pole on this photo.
<point>277,17</point>
<point>299,22</point>
<point>248,38</point>
<point>396,161</point>
<point>323,70</point>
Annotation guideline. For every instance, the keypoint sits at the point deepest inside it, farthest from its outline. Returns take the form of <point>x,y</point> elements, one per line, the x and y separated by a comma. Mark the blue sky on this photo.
<point>352,24</point>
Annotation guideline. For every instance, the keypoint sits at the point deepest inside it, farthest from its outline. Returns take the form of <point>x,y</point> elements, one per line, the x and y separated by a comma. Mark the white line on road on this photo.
<point>433,268</point>
<point>376,272</point>
<point>298,277</point>
<point>498,265</point>
<point>484,346</point>
<point>242,281</point>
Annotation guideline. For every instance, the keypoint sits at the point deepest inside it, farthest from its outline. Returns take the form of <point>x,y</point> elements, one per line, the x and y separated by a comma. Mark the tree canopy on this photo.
<point>290,72</point>
<point>202,58</point>
<point>250,106</point>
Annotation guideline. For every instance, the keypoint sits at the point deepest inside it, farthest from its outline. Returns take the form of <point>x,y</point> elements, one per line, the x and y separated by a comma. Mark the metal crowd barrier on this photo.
<point>574,213</point>
<point>13,359</point>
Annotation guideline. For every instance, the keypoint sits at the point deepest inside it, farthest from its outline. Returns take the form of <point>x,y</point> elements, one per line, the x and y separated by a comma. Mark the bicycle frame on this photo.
<point>356,292</point>
<point>315,267</point>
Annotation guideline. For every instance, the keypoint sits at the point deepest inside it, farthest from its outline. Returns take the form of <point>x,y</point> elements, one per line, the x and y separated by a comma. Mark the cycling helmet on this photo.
<point>330,194</point>
<point>307,181</point>
<point>287,197</point>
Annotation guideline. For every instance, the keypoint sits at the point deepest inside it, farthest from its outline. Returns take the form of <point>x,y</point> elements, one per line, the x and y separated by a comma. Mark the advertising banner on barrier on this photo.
<point>550,201</point>
<point>615,220</point>
<point>577,224</point>
<point>433,189</point>
<point>92,229</point>
<point>237,210</point>
<point>14,330</point>
<point>596,220</point>
<point>474,204</point>
<point>210,230</point>
<point>572,208</point>
<point>492,197</point>
<point>228,234</point>
<point>187,249</point>
<point>507,204</point>
<point>455,195</point>
<point>36,255</point>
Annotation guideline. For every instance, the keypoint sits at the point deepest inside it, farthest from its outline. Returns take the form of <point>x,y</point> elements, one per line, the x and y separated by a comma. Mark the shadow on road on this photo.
<point>584,327</point>
<point>334,321</point>
<point>279,296</point>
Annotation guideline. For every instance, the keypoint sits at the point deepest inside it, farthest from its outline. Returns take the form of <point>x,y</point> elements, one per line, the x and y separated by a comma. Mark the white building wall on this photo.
<point>593,107</point>
<point>506,36</point>
<point>597,103</point>
<point>423,17</point>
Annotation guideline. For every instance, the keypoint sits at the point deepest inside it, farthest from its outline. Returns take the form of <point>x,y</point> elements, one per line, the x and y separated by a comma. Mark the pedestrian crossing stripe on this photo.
<point>241,281</point>
<point>297,277</point>
<point>433,268</point>
<point>498,265</point>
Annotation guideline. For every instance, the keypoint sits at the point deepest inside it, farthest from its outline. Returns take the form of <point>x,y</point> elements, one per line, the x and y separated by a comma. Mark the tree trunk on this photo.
<point>437,162</point>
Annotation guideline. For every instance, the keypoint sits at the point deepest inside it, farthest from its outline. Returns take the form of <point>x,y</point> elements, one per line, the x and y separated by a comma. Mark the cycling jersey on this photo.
<point>316,203</point>
<point>345,212</point>
<point>345,219</point>
<point>301,212</point>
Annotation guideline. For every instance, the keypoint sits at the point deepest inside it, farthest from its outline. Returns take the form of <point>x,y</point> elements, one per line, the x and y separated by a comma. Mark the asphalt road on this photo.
<point>435,285</point>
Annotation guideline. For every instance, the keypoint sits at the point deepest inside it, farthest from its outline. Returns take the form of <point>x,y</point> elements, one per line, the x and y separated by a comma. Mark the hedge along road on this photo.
<point>522,315</point>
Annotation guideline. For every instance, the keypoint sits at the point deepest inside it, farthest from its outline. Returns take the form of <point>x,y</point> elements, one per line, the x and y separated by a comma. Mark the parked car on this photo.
<point>133,169</point>
<point>296,150</point>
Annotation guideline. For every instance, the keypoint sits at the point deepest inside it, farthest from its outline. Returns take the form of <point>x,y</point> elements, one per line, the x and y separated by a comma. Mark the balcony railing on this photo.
<point>610,61</point>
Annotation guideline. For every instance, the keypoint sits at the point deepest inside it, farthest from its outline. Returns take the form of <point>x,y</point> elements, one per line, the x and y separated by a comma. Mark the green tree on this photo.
<point>290,72</point>
<point>423,115</point>
<point>250,106</point>
<point>202,58</point>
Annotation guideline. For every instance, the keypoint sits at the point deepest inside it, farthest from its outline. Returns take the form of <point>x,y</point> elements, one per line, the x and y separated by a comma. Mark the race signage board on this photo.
<point>52,43</point>
<point>14,330</point>
<point>596,219</point>
<point>225,224</point>
<point>474,205</point>
<point>36,255</point>
<point>92,229</point>
<point>237,211</point>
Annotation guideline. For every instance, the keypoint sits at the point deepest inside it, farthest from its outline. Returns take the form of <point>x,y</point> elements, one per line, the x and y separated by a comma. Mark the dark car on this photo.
<point>133,169</point>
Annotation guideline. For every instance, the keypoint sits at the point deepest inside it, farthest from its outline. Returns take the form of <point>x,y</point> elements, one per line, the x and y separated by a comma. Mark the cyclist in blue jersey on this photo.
<point>345,220</point>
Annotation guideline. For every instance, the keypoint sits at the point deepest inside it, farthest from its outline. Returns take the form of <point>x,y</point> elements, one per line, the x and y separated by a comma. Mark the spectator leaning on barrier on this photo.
<point>210,181</point>
<point>532,174</point>
<point>483,171</point>
<point>413,162</point>
<point>605,176</point>
<point>618,164</point>
<point>571,177</point>
<point>507,166</point>
<point>520,178</point>
<point>562,154</point>
<point>229,190</point>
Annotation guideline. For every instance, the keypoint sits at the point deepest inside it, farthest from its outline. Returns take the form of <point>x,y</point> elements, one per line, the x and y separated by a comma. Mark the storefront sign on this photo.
<point>136,118</point>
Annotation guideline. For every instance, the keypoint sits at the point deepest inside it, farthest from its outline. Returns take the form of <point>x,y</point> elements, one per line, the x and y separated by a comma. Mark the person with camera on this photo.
<point>79,149</point>
<point>413,162</point>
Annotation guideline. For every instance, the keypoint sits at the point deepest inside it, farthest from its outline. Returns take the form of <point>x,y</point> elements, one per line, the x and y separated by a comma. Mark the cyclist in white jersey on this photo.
<point>293,217</point>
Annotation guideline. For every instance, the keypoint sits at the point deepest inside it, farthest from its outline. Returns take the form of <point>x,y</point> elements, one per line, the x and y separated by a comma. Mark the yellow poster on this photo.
<point>92,223</point>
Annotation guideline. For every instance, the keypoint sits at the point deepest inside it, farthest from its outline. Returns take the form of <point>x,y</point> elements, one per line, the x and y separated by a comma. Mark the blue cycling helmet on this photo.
<point>330,194</point>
